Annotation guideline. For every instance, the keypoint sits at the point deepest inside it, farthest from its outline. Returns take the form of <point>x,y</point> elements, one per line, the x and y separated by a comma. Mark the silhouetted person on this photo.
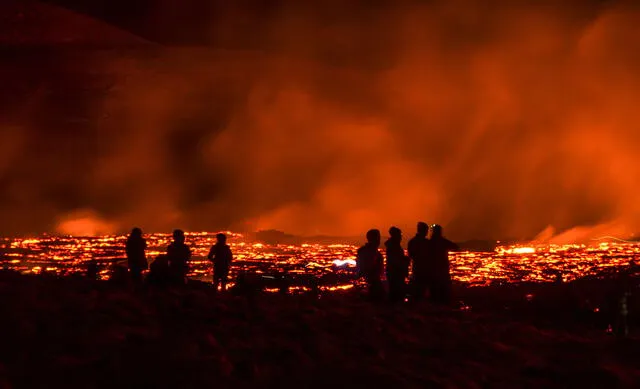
<point>417,250</point>
<point>221,256</point>
<point>159,273</point>
<point>248,285</point>
<point>92,270</point>
<point>178,254</point>
<point>136,258</point>
<point>397,265</point>
<point>438,250</point>
<point>558,278</point>
<point>119,274</point>
<point>369,263</point>
<point>283,282</point>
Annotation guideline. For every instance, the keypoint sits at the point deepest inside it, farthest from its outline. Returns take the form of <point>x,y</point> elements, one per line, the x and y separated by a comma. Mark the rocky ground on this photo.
<point>76,333</point>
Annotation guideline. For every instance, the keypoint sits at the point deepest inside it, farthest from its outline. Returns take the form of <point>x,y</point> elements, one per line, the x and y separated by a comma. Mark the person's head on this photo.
<point>222,238</point>
<point>136,232</point>
<point>395,233</point>
<point>178,236</point>
<point>423,229</point>
<point>436,231</point>
<point>373,237</point>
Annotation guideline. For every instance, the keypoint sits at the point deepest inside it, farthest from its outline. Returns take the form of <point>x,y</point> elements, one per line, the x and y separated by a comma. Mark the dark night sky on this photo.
<point>324,117</point>
<point>188,22</point>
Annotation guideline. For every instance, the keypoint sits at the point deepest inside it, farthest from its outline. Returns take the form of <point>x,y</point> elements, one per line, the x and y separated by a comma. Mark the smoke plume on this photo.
<point>495,121</point>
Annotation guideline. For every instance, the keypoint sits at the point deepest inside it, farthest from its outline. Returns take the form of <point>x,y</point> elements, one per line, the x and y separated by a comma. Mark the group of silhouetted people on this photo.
<point>427,256</point>
<point>173,267</point>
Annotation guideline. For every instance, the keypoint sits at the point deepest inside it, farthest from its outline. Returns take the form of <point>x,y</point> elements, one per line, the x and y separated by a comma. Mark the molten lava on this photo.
<point>507,264</point>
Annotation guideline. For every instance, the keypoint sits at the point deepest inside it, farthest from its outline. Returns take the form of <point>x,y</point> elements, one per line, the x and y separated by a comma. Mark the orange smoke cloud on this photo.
<point>494,121</point>
<point>84,223</point>
<point>519,120</point>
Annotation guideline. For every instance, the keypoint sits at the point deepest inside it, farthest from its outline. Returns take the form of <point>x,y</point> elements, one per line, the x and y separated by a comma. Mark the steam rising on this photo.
<point>495,122</point>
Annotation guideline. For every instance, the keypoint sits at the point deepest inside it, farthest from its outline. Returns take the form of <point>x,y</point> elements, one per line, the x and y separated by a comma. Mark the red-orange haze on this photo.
<point>493,121</point>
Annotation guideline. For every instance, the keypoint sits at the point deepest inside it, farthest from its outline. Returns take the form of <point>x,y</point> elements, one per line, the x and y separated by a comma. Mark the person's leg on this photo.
<point>419,290</point>
<point>370,287</point>
<point>216,282</point>
<point>376,290</point>
<point>182,277</point>
<point>402,289</point>
<point>390,284</point>
<point>395,288</point>
<point>434,292</point>
<point>441,292</point>
<point>223,282</point>
<point>136,274</point>
<point>447,292</point>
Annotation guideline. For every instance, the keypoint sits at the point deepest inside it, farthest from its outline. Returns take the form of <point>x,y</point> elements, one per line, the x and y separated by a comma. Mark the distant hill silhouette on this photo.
<point>273,237</point>
<point>281,237</point>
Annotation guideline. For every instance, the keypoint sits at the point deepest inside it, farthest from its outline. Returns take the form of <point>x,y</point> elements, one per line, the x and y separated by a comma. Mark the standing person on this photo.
<point>369,263</point>
<point>221,256</point>
<point>136,258</point>
<point>397,265</point>
<point>417,249</point>
<point>178,254</point>
<point>438,254</point>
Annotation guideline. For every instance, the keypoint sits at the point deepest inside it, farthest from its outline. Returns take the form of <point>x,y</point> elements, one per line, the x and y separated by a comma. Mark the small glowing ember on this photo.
<point>342,262</point>
<point>517,250</point>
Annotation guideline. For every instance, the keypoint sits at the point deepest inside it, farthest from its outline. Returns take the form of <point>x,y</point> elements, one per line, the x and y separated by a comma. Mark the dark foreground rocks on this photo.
<point>73,333</point>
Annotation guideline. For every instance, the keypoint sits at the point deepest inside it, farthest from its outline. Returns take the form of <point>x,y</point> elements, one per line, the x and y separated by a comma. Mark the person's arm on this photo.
<point>210,256</point>
<point>452,246</point>
<point>359,263</point>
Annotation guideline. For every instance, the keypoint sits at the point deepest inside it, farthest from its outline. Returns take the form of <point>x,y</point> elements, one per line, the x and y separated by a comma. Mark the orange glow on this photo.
<point>508,264</point>
<point>492,120</point>
<point>342,262</point>
<point>517,250</point>
<point>84,223</point>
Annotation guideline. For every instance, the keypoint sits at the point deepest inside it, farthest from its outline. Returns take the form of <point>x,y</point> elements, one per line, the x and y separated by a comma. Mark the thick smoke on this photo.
<point>493,121</point>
